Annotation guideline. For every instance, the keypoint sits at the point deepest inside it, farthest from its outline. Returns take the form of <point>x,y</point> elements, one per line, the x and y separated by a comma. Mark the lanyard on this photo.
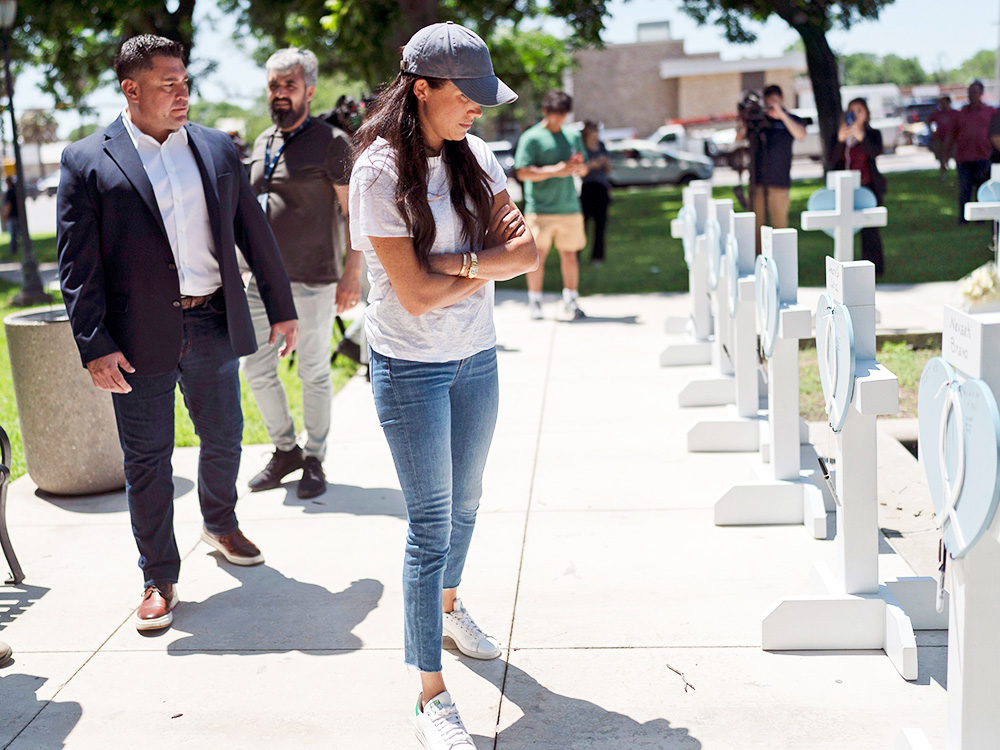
<point>271,164</point>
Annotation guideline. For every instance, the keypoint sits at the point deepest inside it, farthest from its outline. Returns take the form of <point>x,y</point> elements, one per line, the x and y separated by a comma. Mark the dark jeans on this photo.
<point>971,174</point>
<point>871,240</point>
<point>594,200</point>
<point>14,227</point>
<point>208,374</point>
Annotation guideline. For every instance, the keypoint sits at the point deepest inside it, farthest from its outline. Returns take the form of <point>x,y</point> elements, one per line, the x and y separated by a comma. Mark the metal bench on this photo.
<point>16,574</point>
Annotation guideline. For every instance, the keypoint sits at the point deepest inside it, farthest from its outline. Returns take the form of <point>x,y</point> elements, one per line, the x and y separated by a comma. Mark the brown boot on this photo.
<point>157,608</point>
<point>234,547</point>
<point>282,464</point>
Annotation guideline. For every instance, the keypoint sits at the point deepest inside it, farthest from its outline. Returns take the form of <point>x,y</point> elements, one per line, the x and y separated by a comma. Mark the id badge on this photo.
<point>262,200</point>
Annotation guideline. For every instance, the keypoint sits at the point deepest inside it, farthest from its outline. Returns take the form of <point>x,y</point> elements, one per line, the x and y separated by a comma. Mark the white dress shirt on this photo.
<point>180,195</point>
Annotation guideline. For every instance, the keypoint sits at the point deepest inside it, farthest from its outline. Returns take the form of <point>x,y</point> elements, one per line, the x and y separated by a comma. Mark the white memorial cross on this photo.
<point>848,609</point>
<point>739,431</point>
<point>959,432</point>
<point>697,328</point>
<point>715,388</point>
<point>987,211</point>
<point>780,495</point>
<point>844,220</point>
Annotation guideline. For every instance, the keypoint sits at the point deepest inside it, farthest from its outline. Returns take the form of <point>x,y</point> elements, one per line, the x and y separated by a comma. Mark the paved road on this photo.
<point>628,619</point>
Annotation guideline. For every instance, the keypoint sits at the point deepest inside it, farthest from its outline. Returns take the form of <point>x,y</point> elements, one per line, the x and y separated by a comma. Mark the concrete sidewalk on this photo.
<point>629,619</point>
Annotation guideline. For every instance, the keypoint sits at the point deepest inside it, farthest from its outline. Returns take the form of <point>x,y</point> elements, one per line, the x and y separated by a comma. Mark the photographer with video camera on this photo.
<point>769,130</point>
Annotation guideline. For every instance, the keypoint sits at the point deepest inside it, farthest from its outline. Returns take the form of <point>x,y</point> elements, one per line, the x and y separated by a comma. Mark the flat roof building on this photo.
<point>648,84</point>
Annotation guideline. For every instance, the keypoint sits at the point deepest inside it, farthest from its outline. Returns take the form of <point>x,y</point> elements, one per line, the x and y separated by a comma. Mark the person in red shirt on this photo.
<point>856,146</point>
<point>942,123</point>
<point>971,138</point>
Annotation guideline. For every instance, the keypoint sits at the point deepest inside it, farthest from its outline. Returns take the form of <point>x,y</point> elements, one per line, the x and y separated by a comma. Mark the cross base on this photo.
<point>694,351</point>
<point>765,437</point>
<point>677,325</point>
<point>711,391</point>
<point>774,502</point>
<point>732,435</point>
<point>833,621</point>
<point>912,739</point>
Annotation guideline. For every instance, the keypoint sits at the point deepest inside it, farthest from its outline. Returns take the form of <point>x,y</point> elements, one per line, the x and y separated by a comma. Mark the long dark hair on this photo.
<point>394,118</point>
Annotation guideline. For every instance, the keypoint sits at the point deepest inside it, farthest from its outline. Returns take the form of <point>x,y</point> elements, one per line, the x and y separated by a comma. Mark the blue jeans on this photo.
<point>971,174</point>
<point>208,373</point>
<point>438,419</point>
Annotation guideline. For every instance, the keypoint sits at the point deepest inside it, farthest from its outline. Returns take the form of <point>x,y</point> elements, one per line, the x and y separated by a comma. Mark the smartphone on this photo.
<point>850,118</point>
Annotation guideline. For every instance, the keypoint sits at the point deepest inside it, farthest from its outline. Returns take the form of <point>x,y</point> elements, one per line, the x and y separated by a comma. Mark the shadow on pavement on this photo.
<point>347,498</point>
<point>14,600</point>
<point>105,502</point>
<point>271,613</point>
<point>557,721</point>
<point>21,708</point>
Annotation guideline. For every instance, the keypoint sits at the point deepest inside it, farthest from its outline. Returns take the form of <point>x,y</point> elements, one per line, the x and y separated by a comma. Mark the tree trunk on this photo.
<point>415,15</point>
<point>825,78</point>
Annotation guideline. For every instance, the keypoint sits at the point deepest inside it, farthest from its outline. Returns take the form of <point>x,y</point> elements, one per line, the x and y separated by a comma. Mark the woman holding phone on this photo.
<point>430,210</point>
<point>857,146</point>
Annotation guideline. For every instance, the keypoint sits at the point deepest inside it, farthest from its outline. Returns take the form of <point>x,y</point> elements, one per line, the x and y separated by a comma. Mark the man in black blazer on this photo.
<point>149,216</point>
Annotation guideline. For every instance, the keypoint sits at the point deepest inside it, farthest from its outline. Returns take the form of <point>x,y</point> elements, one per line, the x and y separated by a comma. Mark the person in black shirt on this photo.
<point>595,193</point>
<point>11,215</point>
<point>773,160</point>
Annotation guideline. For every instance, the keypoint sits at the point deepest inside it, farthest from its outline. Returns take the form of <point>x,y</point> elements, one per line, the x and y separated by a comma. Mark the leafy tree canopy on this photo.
<point>72,42</point>
<point>363,39</point>
<point>812,21</point>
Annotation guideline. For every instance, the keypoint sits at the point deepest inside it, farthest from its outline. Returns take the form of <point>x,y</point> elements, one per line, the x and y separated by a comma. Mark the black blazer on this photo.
<point>116,268</point>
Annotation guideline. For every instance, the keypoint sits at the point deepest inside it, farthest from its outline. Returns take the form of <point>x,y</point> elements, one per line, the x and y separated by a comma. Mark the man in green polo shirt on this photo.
<point>547,158</point>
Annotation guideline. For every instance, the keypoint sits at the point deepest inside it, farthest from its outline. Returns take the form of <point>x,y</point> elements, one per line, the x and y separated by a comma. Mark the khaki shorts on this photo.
<point>565,231</point>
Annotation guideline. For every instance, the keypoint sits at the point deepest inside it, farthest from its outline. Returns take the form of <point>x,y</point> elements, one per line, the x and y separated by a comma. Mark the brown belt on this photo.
<point>188,302</point>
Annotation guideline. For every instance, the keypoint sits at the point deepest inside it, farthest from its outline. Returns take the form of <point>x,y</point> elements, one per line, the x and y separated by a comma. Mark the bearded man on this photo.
<point>300,169</point>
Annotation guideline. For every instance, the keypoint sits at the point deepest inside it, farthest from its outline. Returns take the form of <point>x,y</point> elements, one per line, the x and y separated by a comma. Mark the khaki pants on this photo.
<point>565,231</point>
<point>776,214</point>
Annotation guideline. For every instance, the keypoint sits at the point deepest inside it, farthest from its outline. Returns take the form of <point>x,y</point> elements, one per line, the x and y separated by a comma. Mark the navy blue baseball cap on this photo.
<point>448,50</point>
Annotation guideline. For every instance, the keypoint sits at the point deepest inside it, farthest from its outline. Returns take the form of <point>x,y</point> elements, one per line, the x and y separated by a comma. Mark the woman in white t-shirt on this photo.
<point>430,210</point>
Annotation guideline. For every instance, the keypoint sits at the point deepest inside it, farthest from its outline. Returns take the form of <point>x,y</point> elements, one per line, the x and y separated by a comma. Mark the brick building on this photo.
<point>649,83</point>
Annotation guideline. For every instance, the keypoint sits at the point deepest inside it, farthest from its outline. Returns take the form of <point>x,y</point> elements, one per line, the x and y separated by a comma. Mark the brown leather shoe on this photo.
<point>234,547</point>
<point>157,608</point>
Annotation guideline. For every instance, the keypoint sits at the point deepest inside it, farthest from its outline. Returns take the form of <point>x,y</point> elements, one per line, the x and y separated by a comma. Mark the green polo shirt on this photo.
<point>540,147</point>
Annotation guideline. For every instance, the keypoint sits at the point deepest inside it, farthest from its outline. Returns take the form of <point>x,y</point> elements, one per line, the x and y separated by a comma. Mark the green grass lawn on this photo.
<point>923,240</point>
<point>44,246</point>
<point>904,362</point>
<point>253,429</point>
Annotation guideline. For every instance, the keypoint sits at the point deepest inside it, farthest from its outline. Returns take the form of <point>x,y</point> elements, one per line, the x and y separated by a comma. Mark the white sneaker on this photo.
<point>439,727</point>
<point>471,641</point>
<point>535,310</point>
<point>573,311</point>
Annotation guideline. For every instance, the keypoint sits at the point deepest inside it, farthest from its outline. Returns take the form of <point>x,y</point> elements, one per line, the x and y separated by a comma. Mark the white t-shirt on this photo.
<point>443,335</point>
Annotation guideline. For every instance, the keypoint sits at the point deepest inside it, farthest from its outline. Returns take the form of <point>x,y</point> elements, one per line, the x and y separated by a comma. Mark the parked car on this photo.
<point>916,131</point>
<point>48,185</point>
<point>636,162</point>
<point>504,152</point>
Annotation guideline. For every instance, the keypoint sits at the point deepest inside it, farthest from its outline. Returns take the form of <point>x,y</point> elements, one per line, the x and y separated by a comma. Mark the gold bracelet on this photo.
<point>473,265</point>
<point>465,262</point>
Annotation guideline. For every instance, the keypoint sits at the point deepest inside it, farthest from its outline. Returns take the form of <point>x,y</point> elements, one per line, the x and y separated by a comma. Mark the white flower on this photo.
<point>981,286</point>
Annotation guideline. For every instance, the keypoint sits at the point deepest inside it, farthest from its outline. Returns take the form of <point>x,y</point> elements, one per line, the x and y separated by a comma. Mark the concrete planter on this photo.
<point>67,425</point>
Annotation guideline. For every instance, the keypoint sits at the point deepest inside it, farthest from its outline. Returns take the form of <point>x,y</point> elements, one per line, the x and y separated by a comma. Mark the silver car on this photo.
<point>636,162</point>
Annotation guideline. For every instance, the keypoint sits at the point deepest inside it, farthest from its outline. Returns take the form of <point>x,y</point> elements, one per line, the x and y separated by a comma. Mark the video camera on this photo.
<point>751,110</point>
